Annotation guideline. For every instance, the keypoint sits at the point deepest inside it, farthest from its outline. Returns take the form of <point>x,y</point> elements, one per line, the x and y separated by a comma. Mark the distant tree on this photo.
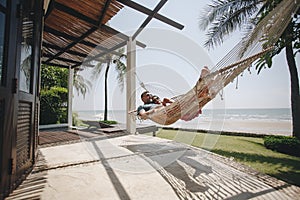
<point>223,17</point>
<point>118,62</point>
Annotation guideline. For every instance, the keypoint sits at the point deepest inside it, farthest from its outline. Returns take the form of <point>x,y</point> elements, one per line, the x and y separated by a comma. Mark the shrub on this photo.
<point>53,106</point>
<point>283,144</point>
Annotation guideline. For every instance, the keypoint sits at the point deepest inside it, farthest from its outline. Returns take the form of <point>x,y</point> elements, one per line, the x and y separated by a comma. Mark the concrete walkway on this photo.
<point>143,167</point>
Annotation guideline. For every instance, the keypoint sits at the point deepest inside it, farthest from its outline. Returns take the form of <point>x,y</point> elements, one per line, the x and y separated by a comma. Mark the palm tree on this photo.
<point>225,16</point>
<point>116,60</point>
<point>81,84</point>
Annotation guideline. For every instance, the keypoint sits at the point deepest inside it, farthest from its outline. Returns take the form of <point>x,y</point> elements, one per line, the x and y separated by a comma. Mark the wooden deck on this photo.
<point>63,135</point>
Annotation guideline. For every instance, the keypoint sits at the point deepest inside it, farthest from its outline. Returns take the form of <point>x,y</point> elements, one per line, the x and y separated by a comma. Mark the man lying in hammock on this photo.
<point>151,102</point>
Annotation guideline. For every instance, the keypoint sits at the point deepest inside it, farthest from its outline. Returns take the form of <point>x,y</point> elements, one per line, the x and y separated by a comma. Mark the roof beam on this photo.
<point>75,13</point>
<point>93,22</point>
<point>50,8</point>
<point>147,11</point>
<point>62,59</point>
<point>54,64</point>
<point>52,46</point>
<point>125,37</point>
<point>75,40</point>
<point>102,54</point>
<point>86,34</point>
<point>80,39</point>
<point>66,36</point>
<point>103,12</point>
<point>83,55</point>
<point>148,19</point>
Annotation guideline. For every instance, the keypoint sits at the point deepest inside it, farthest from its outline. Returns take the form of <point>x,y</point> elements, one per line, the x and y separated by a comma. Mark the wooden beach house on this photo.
<point>59,33</point>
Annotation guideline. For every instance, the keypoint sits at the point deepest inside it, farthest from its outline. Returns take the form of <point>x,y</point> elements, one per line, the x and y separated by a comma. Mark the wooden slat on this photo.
<point>23,133</point>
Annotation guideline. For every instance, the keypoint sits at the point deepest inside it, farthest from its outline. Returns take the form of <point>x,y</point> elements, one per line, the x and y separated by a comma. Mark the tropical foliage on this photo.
<point>54,93</point>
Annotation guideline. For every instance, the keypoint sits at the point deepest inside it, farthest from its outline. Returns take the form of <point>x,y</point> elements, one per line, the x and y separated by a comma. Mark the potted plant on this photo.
<point>107,123</point>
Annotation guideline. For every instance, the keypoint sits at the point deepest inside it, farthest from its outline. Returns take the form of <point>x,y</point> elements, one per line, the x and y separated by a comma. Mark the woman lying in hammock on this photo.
<point>153,102</point>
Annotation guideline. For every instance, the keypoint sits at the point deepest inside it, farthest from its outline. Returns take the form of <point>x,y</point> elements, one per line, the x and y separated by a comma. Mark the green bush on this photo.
<point>53,106</point>
<point>283,144</point>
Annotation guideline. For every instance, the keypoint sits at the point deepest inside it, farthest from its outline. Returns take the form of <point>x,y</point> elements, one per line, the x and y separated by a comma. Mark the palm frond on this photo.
<point>225,17</point>
<point>81,84</point>
<point>121,69</point>
<point>97,70</point>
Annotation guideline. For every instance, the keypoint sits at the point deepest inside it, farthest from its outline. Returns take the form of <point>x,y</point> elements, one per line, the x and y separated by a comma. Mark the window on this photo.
<point>2,40</point>
<point>3,3</point>
<point>26,49</point>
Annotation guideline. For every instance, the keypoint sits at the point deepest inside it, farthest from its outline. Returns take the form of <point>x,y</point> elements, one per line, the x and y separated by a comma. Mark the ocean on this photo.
<point>275,121</point>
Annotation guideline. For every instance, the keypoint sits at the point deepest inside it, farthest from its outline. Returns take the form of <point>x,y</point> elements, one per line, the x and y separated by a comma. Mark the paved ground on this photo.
<point>99,166</point>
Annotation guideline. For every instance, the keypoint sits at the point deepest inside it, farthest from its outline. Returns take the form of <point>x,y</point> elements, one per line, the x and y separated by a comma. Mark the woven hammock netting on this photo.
<point>241,57</point>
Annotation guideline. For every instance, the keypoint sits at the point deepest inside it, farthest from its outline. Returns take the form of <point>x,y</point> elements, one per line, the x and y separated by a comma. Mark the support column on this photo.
<point>70,96</point>
<point>131,85</point>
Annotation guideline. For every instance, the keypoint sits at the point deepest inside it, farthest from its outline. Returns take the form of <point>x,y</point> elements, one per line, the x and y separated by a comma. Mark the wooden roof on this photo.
<point>75,31</point>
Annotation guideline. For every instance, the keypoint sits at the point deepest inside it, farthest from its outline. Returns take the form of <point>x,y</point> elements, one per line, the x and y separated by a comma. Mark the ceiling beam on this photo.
<point>123,36</point>
<point>147,11</point>
<point>75,13</point>
<point>62,59</point>
<point>50,8</point>
<point>68,37</point>
<point>83,36</point>
<point>89,59</point>
<point>103,12</point>
<point>52,46</point>
<point>86,34</point>
<point>148,19</point>
<point>72,44</point>
<point>56,65</point>
<point>93,22</point>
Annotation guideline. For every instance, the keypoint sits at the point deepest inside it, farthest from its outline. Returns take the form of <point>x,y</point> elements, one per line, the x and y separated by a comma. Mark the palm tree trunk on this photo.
<point>105,91</point>
<point>295,96</point>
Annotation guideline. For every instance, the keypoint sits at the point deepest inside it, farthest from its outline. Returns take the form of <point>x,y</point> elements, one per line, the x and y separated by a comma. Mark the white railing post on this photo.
<point>70,96</point>
<point>131,85</point>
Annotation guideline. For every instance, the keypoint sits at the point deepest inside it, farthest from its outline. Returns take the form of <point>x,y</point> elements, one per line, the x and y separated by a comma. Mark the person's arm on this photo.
<point>146,114</point>
<point>166,100</point>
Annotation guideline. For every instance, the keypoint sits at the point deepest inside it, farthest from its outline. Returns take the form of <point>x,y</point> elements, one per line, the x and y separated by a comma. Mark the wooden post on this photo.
<point>131,85</point>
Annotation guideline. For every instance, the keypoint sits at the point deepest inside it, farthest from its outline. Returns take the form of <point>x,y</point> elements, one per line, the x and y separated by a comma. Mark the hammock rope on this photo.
<point>266,33</point>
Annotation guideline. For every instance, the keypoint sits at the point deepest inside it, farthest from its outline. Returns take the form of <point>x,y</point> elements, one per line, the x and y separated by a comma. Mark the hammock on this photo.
<point>189,105</point>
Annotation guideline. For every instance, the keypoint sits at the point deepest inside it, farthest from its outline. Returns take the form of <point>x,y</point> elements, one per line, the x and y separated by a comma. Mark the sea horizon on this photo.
<point>275,121</point>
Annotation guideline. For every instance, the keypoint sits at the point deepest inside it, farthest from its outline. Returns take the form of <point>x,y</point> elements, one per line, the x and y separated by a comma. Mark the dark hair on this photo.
<point>144,93</point>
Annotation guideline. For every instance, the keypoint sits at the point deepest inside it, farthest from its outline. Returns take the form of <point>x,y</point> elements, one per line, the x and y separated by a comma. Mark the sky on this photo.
<point>171,63</point>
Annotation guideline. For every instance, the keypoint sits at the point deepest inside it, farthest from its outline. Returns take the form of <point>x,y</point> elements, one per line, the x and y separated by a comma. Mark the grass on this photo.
<point>249,151</point>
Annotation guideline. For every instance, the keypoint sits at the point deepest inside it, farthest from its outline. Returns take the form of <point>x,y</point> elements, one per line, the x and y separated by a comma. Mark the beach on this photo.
<point>258,121</point>
<point>242,126</point>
